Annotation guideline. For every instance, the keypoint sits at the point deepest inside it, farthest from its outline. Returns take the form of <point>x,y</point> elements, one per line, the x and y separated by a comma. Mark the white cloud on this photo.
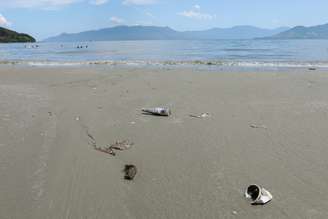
<point>197,7</point>
<point>36,3</point>
<point>149,14</point>
<point>139,2</point>
<point>53,4</point>
<point>98,2</point>
<point>4,21</point>
<point>116,20</point>
<point>44,4</point>
<point>197,14</point>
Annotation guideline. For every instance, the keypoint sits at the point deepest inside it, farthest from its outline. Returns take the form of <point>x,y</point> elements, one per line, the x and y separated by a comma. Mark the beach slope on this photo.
<point>265,127</point>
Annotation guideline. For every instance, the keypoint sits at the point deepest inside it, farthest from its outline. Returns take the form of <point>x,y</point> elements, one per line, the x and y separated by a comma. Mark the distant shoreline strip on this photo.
<point>219,63</point>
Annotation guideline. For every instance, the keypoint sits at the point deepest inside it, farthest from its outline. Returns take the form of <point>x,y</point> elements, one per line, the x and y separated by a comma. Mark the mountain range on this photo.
<point>165,33</point>
<point>301,32</point>
<point>9,36</point>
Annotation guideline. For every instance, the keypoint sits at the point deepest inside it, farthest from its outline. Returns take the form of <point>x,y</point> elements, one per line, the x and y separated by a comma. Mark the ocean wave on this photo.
<point>221,63</point>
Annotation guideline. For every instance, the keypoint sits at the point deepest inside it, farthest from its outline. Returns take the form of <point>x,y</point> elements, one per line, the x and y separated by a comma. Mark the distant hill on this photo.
<point>119,33</point>
<point>301,32</point>
<point>164,33</point>
<point>237,32</point>
<point>9,36</point>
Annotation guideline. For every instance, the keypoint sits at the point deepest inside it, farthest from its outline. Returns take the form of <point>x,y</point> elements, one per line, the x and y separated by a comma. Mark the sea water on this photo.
<point>271,53</point>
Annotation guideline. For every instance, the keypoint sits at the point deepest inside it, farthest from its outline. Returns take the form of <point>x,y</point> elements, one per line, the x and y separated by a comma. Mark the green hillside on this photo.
<point>9,36</point>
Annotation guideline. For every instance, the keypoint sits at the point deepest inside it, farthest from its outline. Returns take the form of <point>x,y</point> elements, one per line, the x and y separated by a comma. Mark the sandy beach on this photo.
<point>267,127</point>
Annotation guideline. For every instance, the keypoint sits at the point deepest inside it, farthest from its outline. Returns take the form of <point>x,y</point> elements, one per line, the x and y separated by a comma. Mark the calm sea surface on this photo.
<point>288,53</point>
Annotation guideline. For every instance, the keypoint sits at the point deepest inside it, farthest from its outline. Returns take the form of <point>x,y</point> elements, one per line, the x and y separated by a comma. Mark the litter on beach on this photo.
<point>257,126</point>
<point>117,146</point>
<point>122,145</point>
<point>157,111</point>
<point>107,150</point>
<point>258,195</point>
<point>130,171</point>
<point>201,116</point>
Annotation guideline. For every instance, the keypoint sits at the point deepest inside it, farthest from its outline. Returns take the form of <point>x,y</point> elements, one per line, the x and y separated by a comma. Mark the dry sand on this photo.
<point>268,128</point>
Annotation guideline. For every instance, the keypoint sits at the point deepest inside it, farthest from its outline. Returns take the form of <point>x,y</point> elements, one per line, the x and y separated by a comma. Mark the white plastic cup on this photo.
<point>258,195</point>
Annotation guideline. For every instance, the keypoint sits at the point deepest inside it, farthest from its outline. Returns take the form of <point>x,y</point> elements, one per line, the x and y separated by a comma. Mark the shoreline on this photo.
<point>206,64</point>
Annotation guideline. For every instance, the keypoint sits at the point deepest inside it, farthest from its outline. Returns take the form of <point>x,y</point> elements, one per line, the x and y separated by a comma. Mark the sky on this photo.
<point>45,18</point>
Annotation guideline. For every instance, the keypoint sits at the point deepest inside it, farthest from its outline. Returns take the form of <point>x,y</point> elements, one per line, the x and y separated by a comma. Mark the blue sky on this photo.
<point>44,18</point>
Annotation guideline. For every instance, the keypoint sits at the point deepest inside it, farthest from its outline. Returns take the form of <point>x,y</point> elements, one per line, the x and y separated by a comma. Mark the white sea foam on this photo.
<point>36,64</point>
<point>142,63</point>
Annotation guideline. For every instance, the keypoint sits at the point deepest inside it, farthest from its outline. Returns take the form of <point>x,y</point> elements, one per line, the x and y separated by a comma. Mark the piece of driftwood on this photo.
<point>122,145</point>
<point>110,149</point>
<point>107,150</point>
<point>118,146</point>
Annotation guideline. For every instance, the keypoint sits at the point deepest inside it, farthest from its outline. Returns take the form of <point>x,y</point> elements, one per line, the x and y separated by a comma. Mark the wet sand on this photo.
<point>265,127</point>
